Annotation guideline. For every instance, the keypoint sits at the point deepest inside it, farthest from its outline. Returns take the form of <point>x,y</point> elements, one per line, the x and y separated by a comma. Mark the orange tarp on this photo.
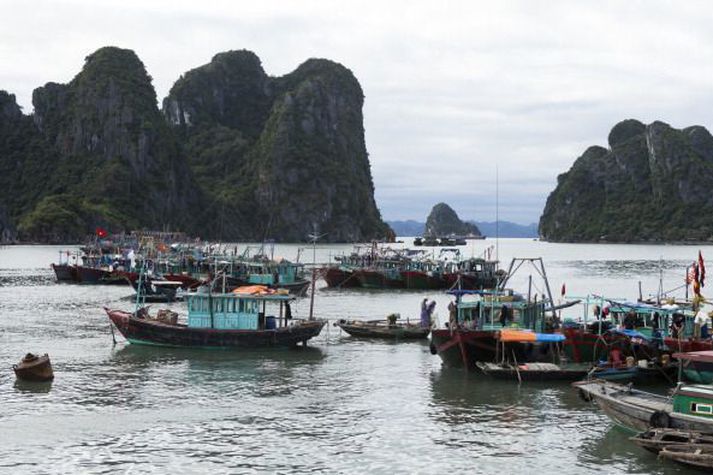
<point>253,290</point>
<point>517,335</point>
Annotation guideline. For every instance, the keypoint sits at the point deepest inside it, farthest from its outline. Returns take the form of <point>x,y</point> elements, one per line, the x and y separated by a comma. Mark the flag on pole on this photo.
<point>101,232</point>
<point>564,290</point>
<point>701,269</point>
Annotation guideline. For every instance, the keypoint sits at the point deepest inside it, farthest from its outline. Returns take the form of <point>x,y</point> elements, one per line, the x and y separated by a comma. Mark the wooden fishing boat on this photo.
<point>473,334</point>
<point>383,329</point>
<point>340,276</point>
<point>34,368</point>
<point>652,373</point>
<point>156,291</point>
<point>65,272</point>
<point>423,280</point>
<point>693,455</point>
<point>697,365</point>
<point>228,321</point>
<point>689,408</point>
<point>533,371</point>
<point>654,439</point>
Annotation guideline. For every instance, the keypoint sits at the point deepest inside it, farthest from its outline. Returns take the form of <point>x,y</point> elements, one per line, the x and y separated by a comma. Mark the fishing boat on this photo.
<point>224,320</point>
<point>385,328</point>
<point>643,372</point>
<point>155,290</point>
<point>532,347</point>
<point>697,365</point>
<point>533,371</point>
<point>65,272</point>
<point>474,331</point>
<point>693,455</point>
<point>690,407</point>
<point>634,328</point>
<point>34,368</point>
<point>654,439</point>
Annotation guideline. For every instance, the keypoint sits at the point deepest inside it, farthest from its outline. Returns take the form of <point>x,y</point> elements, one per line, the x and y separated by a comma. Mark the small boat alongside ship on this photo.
<point>690,407</point>
<point>655,439</point>
<point>389,329</point>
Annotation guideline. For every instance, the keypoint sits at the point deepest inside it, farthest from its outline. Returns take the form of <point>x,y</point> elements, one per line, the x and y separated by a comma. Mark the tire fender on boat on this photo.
<point>660,419</point>
<point>432,347</point>
<point>584,395</point>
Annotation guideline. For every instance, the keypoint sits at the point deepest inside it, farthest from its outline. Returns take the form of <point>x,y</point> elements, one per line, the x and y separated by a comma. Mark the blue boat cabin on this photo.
<point>234,311</point>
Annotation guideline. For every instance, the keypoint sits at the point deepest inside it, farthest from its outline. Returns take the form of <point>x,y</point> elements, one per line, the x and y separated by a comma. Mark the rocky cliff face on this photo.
<point>652,184</point>
<point>278,156</point>
<point>443,221</point>
<point>235,153</point>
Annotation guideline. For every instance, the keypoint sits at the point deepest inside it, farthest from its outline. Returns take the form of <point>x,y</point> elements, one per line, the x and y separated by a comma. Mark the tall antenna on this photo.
<point>497,214</point>
<point>314,237</point>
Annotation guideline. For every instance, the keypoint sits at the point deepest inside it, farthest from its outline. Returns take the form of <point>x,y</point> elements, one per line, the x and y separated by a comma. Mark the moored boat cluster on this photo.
<point>605,346</point>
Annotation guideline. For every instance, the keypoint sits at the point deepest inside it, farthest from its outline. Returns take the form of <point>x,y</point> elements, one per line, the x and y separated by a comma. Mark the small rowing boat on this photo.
<point>385,329</point>
<point>534,371</point>
<point>654,440</point>
<point>693,455</point>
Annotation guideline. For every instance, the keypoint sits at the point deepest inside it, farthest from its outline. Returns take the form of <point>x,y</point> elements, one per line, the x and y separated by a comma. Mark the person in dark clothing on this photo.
<point>677,326</point>
<point>504,315</point>
<point>630,320</point>
<point>288,311</point>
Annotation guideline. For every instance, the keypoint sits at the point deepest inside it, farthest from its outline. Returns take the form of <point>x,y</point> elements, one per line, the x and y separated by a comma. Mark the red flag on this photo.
<point>702,269</point>
<point>691,274</point>
<point>101,232</point>
<point>564,290</point>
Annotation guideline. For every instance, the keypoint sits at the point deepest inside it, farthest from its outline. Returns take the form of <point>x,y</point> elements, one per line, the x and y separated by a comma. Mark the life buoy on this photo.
<point>660,420</point>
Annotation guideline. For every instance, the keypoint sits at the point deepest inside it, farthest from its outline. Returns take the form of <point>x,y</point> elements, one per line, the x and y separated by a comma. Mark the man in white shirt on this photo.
<point>699,322</point>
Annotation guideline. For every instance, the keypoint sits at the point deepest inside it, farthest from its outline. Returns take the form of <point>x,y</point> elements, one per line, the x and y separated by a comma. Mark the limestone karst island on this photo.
<point>356,237</point>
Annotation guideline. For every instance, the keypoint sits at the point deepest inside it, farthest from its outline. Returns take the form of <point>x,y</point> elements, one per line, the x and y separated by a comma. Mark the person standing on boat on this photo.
<point>424,313</point>
<point>700,321</point>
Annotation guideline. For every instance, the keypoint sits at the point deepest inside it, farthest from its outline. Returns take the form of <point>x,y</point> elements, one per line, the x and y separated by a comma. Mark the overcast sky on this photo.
<point>452,88</point>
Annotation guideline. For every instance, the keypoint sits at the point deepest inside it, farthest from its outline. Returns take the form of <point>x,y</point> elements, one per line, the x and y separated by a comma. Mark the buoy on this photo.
<point>34,368</point>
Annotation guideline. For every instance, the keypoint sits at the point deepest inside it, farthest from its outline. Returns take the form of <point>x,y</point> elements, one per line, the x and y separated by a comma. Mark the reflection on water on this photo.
<point>342,405</point>
<point>33,386</point>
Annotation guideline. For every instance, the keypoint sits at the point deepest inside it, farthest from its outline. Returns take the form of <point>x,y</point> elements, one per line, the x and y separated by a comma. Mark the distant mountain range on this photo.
<point>505,229</point>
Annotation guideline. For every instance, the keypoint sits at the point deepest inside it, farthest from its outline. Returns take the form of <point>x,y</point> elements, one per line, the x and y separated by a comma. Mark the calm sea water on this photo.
<point>341,405</point>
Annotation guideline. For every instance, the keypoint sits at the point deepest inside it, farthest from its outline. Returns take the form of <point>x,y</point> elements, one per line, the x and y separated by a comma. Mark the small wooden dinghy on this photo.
<point>384,329</point>
<point>654,440</point>
<point>693,455</point>
<point>533,371</point>
<point>34,368</point>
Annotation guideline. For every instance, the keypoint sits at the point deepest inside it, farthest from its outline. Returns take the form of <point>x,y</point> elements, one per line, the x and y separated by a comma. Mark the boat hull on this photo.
<point>340,278</point>
<point>532,372</point>
<point>372,279</point>
<point>393,332</point>
<point>421,280</point>
<point>634,409</point>
<point>463,348</point>
<point>151,332</point>
<point>65,272</point>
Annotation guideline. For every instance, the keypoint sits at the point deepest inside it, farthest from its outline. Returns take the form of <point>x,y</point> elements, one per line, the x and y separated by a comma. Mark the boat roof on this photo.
<point>517,335</point>
<point>235,295</point>
<point>703,356</point>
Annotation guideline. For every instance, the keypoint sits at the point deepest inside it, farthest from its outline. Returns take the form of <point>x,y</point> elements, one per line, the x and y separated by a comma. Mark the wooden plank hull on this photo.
<point>150,332</point>
<point>373,279</point>
<point>421,280</point>
<point>336,277</point>
<point>65,273</point>
<point>633,409</point>
<point>532,372</point>
<point>393,332</point>
<point>463,348</point>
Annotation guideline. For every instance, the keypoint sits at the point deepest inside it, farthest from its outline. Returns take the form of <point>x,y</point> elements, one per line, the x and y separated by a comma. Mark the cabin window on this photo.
<point>698,408</point>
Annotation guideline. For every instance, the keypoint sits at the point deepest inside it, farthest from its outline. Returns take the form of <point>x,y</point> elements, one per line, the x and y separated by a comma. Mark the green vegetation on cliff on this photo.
<point>290,158</point>
<point>235,154</point>
<point>652,184</point>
